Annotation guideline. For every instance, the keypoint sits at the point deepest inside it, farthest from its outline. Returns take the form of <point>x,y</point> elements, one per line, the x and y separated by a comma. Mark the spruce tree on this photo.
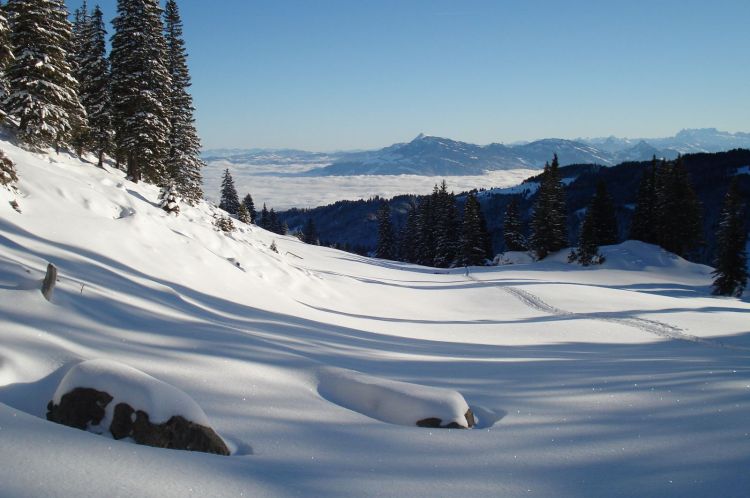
<point>310,233</point>
<point>473,234</point>
<point>94,78</point>
<point>6,57</point>
<point>250,205</point>
<point>603,216</point>
<point>513,229</point>
<point>8,174</point>
<point>386,248</point>
<point>141,90</point>
<point>645,217</point>
<point>169,200</point>
<point>731,238</point>
<point>424,250</point>
<point>243,215</point>
<point>587,252</point>
<point>264,220</point>
<point>184,162</point>
<point>408,236</point>
<point>445,227</point>
<point>679,212</point>
<point>549,220</point>
<point>43,92</point>
<point>230,201</point>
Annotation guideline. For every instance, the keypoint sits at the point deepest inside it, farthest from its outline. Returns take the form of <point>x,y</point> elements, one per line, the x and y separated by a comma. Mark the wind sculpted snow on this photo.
<point>576,390</point>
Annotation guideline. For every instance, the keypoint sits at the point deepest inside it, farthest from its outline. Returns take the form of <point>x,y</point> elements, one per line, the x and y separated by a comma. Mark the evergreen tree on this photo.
<point>230,201</point>
<point>445,227</point>
<point>731,259</point>
<point>275,225</point>
<point>242,214</point>
<point>43,92</point>
<point>424,250</point>
<point>587,252</point>
<point>7,170</point>
<point>474,234</point>
<point>169,200</point>
<point>141,89</point>
<point>93,74</point>
<point>250,205</point>
<point>679,213</point>
<point>183,162</point>
<point>603,216</point>
<point>512,228</point>
<point>386,248</point>
<point>549,221</point>
<point>310,233</point>
<point>6,57</point>
<point>645,218</point>
<point>408,236</point>
<point>264,218</point>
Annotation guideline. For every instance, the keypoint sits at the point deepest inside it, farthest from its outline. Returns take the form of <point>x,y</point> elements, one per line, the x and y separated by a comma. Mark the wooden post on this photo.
<point>50,279</point>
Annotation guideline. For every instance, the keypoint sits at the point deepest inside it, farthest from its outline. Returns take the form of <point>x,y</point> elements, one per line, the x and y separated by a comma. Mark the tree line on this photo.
<point>60,88</point>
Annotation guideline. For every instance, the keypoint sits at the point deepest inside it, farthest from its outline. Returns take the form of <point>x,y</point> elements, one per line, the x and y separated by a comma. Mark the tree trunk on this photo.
<point>50,279</point>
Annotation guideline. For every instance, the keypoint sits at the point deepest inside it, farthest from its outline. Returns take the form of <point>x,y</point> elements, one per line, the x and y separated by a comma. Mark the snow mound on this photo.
<point>127,385</point>
<point>391,401</point>
<point>513,258</point>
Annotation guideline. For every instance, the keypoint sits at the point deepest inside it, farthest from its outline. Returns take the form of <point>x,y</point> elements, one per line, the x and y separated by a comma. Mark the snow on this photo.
<point>393,402</point>
<point>744,170</point>
<point>620,380</point>
<point>128,385</point>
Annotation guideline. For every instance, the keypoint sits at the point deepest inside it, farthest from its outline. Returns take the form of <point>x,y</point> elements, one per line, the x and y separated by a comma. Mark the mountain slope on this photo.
<point>584,381</point>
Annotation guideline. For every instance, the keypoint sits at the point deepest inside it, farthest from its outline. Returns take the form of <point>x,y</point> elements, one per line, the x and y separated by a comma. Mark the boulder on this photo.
<point>436,423</point>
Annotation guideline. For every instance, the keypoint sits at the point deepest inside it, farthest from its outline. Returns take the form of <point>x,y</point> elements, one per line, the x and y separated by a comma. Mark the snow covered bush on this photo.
<point>168,200</point>
<point>7,170</point>
<point>224,224</point>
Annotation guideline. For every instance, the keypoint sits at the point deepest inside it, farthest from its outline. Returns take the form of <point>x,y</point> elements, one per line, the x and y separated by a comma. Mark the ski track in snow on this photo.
<point>661,329</point>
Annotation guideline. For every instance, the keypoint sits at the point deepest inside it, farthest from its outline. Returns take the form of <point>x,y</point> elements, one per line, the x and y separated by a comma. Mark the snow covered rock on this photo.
<point>103,395</point>
<point>395,402</point>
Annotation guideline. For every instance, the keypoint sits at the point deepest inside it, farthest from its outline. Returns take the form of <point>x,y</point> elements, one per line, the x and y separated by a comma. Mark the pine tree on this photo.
<point>230,201</point>
<point>645,219</point>
<point>512,228</point>
<point>603,216</point>
<point>473,234</point>
<point>141,89</point>
<point>264,218</point>
<point>445,228</point>
<point>250,206</point>
<point>731,259</point>
<point>184,162</point>
<point>43,92</point>
<point>679,212</point>
<point>94,78</point>
<point>243,215</point>
<point>6,57</point>
<point>549,221</point>
<point>310,233</point>
<point>408,236</point>
<point>386,248</point>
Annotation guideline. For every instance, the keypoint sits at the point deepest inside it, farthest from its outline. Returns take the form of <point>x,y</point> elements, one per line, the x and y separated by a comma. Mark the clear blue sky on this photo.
<point>346,74</point>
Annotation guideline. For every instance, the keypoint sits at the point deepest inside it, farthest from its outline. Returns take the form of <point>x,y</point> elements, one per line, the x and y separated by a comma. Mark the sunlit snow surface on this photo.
<point>622,380</point>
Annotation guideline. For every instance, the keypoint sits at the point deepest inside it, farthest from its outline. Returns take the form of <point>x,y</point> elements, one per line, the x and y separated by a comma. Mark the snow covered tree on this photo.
<point>645,218</point>
<point>549,221</point>
<point>7,170</point>
<point>731,259</point>
<point>140,87</point>
<point>42,90</point>
<point>243,215</point>
<point>94,78</point>
<point>6,57</point>
<point>678,209</point>
<point>250,206</point>
<point>230,201</point>
<point>169,200</point>
<point>310,233</point>
<point>386,248</point>
<point>512,228</point>
<point>184,161</point>
<point>224,224</point>
<point>473,234</point>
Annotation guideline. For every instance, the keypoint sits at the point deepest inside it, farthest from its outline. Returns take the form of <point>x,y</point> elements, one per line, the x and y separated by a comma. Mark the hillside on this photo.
<point>629,379</point>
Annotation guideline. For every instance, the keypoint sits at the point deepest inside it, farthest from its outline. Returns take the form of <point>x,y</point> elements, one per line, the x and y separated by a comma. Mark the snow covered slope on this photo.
<point>624,380</point>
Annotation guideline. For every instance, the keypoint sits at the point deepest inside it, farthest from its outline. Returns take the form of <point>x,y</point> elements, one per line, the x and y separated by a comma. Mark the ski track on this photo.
<point>661,329</point>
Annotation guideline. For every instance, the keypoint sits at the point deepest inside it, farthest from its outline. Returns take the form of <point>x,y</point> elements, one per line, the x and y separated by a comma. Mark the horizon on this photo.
<point>339,75</point>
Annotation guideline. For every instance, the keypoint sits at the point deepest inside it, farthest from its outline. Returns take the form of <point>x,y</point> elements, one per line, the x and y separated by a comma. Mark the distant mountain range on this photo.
<point>435,156</point>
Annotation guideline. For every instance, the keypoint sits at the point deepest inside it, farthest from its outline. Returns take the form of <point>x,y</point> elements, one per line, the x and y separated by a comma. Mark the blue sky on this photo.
<point>349,74</point>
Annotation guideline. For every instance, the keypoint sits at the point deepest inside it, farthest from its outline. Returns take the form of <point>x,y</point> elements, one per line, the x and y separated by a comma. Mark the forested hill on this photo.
<point>352,224</point>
